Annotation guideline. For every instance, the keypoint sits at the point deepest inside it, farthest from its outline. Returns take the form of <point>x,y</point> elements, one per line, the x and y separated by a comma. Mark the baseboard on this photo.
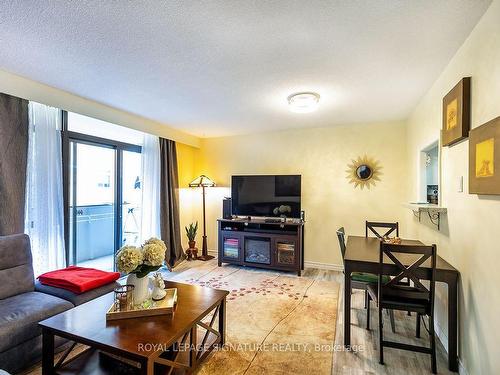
<point>443,342</point>
<point>318,265</point>
<point>324,266</point>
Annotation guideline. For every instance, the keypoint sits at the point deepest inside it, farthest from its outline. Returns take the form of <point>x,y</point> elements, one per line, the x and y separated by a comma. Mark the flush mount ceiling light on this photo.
<point>303,102</point>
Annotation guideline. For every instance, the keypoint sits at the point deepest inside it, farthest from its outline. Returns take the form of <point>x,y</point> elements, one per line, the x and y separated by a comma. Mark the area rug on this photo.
<point>276,323</point>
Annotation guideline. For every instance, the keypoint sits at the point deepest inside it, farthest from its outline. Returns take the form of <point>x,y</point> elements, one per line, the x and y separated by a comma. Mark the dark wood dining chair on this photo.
<point>372,226</point>
<point>396,296</point>
<point>361,280</point>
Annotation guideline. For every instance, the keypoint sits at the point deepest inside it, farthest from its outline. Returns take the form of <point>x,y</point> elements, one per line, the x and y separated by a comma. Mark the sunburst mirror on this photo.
<point>364,172</point>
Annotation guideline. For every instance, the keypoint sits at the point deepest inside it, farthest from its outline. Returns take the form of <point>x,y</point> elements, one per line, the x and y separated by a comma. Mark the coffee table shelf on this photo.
<point>91,362</point>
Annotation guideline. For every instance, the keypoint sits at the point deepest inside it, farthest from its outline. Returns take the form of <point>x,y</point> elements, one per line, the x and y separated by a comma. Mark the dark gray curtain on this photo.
<point>169,202</point>
<point>13,156</point>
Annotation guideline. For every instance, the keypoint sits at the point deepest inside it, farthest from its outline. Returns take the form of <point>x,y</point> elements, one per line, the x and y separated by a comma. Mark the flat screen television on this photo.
<point>266,195</point>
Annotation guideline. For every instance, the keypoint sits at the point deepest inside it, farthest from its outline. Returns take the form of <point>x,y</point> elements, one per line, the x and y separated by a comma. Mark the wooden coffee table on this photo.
<point>178,342</point>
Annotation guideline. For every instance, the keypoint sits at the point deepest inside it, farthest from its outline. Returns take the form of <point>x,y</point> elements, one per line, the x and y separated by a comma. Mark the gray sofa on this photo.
<point>23,303</point>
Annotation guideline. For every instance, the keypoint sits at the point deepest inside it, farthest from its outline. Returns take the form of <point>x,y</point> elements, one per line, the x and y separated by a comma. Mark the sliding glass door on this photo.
<point>92,205</point>
<point>103,194</point>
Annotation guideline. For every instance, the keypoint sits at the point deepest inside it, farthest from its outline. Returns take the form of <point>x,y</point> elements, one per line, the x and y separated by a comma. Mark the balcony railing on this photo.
<point>95,231</point>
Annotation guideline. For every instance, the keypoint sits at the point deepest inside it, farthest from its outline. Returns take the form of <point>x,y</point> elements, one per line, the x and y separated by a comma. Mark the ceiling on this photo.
<point>217,68</point>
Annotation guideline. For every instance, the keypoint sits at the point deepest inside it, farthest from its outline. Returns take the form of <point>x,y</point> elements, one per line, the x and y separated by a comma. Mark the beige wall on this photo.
<point>469,238</point>
<point>321,156</point>
<point>27,89</point>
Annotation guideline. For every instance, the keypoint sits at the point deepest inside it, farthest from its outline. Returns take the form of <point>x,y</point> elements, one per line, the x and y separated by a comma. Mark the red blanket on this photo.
<point>78,279</point>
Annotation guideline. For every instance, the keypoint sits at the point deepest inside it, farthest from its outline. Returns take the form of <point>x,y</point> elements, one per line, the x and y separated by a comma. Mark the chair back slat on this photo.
<point>410,249</point>
<point>372,225</point>
<point>392,287</point>
<point>341,238</point>
<point>403,292</point>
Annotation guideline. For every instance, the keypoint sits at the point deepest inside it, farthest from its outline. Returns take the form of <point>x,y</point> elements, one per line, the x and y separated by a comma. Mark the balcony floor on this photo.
<point>105,263</point>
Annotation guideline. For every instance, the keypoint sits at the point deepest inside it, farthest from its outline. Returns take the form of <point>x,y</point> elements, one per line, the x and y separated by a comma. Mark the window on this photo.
<point>102,129</point>
<point>103,192</point>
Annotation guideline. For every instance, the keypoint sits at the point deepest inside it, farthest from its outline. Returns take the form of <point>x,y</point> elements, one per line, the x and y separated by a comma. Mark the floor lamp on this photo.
<point>203,182</point>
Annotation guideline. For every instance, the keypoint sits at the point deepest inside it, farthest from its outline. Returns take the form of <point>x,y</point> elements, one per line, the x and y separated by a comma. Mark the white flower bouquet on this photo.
<point>141,260</point>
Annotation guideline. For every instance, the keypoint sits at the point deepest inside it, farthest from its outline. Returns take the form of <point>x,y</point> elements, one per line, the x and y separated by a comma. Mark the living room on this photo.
<point>236,187</point>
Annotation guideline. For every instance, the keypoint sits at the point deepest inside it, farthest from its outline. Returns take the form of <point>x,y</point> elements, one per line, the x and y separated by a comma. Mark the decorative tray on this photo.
<point>149,308</point>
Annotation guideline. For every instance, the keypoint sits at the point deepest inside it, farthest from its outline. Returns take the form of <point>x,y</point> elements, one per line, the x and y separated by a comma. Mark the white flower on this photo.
<point>153,252</point>
<point>157,241</point>
<point>128,259</point>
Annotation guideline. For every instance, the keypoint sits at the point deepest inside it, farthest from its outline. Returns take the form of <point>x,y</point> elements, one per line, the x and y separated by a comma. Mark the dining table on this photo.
<point>362,255</point>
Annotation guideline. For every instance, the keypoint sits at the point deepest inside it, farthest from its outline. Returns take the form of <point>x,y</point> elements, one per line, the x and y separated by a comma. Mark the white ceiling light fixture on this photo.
<point>303,102</point>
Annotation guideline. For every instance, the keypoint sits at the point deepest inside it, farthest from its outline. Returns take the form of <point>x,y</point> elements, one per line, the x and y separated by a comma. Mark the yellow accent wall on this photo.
<point>186,164</point>
<point>469,235</point>
<point>321,156</point>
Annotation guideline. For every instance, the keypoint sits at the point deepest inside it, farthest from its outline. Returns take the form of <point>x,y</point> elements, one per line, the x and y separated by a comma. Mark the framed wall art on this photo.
<point>456,113</point>
<point>484,158</point>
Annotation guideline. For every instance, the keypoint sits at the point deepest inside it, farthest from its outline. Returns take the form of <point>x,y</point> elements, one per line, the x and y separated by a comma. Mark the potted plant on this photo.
<point>191,231</point>
<point>138,262</point>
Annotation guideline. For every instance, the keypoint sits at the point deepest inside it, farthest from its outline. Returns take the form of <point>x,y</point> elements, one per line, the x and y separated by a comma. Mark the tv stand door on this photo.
<point>286,252</point>
<point>231,247</point>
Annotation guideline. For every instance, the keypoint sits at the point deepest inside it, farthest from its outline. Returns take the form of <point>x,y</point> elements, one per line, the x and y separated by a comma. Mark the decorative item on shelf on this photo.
<point>138,262</point>
<point>364,172</point>
<point>456,113</point>
<point>159,291</point>
<point>484,158</point>
<point>124,298</point>
<point>282,210</point>
<point>191,231</point>
<point>428,159</point>
<point>203,182</point>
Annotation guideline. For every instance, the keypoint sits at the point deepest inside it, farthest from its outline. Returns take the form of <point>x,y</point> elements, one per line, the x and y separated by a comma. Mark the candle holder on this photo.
<point>124,298</point>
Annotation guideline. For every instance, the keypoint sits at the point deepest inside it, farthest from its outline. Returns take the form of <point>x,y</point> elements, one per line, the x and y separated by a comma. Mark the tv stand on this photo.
<point>276,221</point>
<point>262,243</point>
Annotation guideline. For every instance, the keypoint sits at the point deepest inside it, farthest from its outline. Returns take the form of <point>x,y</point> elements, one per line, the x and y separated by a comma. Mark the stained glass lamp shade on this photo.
<point>202,181</point>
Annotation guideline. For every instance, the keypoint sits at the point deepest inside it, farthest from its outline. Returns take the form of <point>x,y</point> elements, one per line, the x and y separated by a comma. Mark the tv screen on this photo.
<point>272,196</point>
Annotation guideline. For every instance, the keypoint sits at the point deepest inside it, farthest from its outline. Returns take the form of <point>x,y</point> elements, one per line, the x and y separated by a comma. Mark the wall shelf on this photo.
<point>433,211</point>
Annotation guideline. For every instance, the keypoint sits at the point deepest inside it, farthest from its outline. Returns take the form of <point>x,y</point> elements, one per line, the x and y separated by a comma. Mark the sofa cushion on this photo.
<point>16,270</point>
<point>20,314</point>
<point>76,299</point>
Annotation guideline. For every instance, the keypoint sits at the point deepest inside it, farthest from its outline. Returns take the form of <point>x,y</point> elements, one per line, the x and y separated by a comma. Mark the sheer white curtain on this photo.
<point>150,212</point>
<point>44,220</point>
